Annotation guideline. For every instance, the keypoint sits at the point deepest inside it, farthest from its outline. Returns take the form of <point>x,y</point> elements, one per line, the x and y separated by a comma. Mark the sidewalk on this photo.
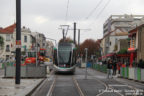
<point>9,88</point>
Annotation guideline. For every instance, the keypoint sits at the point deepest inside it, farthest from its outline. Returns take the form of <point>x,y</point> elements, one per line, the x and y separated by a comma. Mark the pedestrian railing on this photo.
<point>133,73</point>
<point>5,64</point>
<point>101,68</point>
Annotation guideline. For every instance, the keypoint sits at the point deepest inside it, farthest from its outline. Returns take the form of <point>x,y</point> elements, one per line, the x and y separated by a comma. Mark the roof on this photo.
<point>8,30</point>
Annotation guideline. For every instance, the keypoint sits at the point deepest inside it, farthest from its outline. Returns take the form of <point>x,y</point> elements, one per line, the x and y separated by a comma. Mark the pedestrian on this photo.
<point>119,64</point>
<point>114,67</point>
<point>141,63</point>
<point>109,69</point>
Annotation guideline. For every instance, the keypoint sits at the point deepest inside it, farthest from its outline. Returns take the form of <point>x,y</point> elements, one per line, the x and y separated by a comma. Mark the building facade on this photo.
<point>116,27</point>
<point>28,41</point>
<point>8,46</point>
<point>136,44</point>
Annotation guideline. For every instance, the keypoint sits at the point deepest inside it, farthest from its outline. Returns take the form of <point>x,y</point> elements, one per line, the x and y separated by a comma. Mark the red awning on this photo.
<point>108,55</point>
<point>42,49</point>
<point>123,55</point>
<point>131,49</point>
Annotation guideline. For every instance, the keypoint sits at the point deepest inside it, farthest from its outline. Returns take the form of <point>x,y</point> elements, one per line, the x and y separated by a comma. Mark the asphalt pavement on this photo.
<point>96,84</point>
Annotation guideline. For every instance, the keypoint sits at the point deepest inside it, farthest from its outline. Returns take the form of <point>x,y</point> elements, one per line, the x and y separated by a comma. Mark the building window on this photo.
<point>43,44</point>
<point>25,38</point>
<point>8,37</point>
<point>7,48</point>
<point>110,43</point>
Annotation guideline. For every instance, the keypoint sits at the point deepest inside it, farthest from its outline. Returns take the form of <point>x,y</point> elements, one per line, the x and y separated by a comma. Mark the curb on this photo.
<point>31,92</point>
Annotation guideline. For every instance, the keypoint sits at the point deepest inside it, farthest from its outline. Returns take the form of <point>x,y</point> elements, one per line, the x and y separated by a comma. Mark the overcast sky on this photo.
<point>45,16</point>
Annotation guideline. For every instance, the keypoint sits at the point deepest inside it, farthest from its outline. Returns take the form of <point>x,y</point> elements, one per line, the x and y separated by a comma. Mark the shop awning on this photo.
<point>108,55</point>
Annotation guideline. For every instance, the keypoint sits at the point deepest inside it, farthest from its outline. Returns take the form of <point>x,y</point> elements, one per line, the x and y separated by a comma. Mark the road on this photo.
<point>96,84</point>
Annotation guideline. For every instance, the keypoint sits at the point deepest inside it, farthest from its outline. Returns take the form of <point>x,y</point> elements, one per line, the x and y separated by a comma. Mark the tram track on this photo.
<point>55,83</point>
<point>40,89</point>
<point>52,87</point>
<point>78,87</point>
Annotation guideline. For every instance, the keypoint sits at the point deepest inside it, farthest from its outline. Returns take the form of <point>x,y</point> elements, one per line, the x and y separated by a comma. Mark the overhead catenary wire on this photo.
<point>90,14</point>
<point>67,9</point>
<point>100,12</point>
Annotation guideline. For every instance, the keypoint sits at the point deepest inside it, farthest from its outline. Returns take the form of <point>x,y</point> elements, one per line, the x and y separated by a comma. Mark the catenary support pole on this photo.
<point>86,49</point>
<point>63,30</point>
<point>74,32</point>
<point>18,41</point>
<point>79,42</point>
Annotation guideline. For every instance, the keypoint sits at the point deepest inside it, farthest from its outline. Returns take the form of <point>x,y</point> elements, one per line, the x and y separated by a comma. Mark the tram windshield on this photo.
<point>64,53</point>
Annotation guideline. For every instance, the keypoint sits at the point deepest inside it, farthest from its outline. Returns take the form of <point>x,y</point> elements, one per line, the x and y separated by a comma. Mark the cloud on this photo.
<point>45,16</point>
<point>40,20</point>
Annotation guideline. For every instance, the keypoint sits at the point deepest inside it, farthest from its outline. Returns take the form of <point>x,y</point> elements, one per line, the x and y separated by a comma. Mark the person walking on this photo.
<point>114,68</point>
<point>119,64</point>
<point>109,69</point>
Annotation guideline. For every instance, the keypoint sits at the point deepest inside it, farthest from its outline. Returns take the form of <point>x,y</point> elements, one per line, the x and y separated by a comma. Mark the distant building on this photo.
<point>28,42</point>
<point>49,48</point>
<point>40,40</point>
<point>136,45</point>
<point>8,37</point>
<point>116,27</point>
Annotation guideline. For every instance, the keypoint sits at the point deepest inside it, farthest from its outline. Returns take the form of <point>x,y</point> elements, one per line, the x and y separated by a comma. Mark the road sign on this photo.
<point>18,43</point>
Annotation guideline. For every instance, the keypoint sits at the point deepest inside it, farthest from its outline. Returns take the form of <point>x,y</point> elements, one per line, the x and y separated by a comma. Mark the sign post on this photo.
<point>86,49</point>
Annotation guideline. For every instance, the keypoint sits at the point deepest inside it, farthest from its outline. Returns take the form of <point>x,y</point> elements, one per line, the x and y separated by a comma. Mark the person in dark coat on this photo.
<point>109,69</point>
<point>114,68</point>
<point>141,63</point>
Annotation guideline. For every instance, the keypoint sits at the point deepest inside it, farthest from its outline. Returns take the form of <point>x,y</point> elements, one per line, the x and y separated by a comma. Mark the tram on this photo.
<point>65,57</point>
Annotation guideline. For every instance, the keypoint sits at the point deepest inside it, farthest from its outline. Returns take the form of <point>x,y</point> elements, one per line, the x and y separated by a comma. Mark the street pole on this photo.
<point>86,49</point>
<point>74,32</point>
<point>79,42</point>
<point>18,41</point>
<point>36,49</point>
<point>63,34</point>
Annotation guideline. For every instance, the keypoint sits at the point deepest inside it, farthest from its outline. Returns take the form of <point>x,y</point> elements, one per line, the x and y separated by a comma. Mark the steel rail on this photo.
<point>77,86</point>
<point>52,87</point>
